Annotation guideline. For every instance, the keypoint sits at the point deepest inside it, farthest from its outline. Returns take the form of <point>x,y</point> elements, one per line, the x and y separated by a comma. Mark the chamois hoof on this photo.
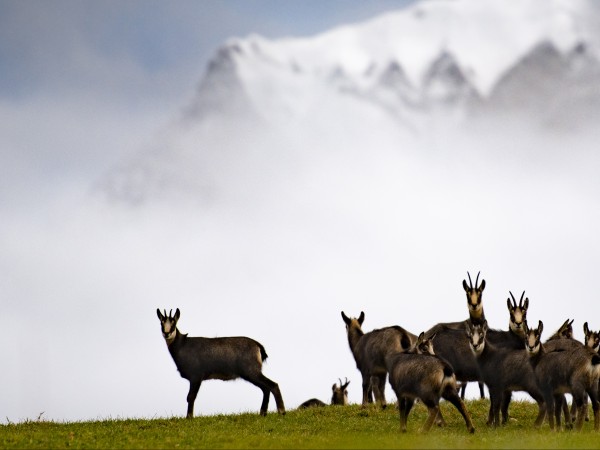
<point>472,430</point>
<point>263,413</point>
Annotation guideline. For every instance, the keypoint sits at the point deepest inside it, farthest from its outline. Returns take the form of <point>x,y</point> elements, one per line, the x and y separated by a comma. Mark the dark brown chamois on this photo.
<point>226,358</point>
<point>573,370</point>
<point>460,356</point>
<point>426,377</point>
<point>504,370</point>
<point>563,339</point>
<point>370,350</point>
<point>513,339</point>
<point>339,396</point>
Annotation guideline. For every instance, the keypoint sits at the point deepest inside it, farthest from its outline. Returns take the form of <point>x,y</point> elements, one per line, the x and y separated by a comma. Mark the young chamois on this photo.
<point>414,374</point>
<point>339,396</point>
<point>458,353</point>
<point>226,358</point>
<point>370,350</point>
<point>573,370</point>
<point>504,370</point>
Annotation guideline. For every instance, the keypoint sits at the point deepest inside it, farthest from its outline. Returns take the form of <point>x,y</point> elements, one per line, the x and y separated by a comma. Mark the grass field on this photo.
<point>329,427</point>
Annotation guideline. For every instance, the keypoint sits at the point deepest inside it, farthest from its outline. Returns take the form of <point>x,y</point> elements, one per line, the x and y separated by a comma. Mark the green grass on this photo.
<point>330,427</point>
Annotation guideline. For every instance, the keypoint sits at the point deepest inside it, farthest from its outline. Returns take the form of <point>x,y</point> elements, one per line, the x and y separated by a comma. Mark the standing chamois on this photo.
<point>451,343</point>
<point>504,370</point>
<point>226,358</point>
<point>424,376</point>
<point>563,340</point>
<point>575,370</point>
<point>370,350</point>
<point>339,396</point>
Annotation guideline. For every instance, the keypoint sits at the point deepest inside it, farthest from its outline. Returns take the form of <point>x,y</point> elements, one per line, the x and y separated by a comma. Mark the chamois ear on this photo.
<point>420,338</point>
<point>508,304</point>
<point>465,286</point>
<point>526,304</point>
<point>177,314</point>
<point>334,387</point>
<point>361,318</point>
<point>159,314</point>
<point>586,330</point>
<point>485,326</point>
<point>482,285</point>
<point>346,318</point>
<point>540,327</point>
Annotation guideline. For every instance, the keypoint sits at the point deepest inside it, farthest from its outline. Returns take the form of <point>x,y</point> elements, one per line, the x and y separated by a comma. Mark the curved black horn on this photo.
<point>521,300</point>
<point>513,299</point>
<point>477,280</point>
<point>470,282</point>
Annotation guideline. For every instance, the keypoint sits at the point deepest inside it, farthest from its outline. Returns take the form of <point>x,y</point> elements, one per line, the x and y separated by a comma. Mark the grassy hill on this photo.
<point>329,427</point>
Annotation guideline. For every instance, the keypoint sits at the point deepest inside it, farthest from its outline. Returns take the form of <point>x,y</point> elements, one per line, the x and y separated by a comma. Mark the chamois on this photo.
<point>562,340</point>
<point>574,370</point>
<point>226,358</point>
<point>504,370</point>
<point>513,339</point>
<point>369,351</point>
<point>424,376</point>
<point>461,358</point>
<point>339,396</point>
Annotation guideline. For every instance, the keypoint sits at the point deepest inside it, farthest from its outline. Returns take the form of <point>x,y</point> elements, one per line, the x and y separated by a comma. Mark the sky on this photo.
<point>85,86</point>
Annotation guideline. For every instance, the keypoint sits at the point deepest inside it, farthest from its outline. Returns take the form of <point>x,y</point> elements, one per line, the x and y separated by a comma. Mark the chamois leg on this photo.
<point>561,404</point>
<point>539,420</point>
<point>578,401</point>
<point>452,396</point>
<point>440,421</point>
<point>404,405</point>
<point>463,389</point>
<point>378,385</point>
<point>481,390</point>
<point>434,409</point>
<point>593,393</point>
<point>495,404</point>
<point>267,386</point>
<point>367,391</point>
<point>191,397</point>
<point>550,403</point>
<point>506,397</point>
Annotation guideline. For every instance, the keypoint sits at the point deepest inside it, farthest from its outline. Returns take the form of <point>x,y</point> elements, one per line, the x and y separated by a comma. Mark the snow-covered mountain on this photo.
<point>276,104</point>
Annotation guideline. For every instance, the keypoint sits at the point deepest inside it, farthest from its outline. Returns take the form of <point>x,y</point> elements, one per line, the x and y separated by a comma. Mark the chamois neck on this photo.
<point>176,341</point>
<point>477,316</point>
<point>354,335</point>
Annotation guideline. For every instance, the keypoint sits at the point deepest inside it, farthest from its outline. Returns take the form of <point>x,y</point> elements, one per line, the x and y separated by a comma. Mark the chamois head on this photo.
<point>474,295</point>
<point>533,338</point>
<point>340,393</point>
<point>168,324</point>
<point>518,313</point>
<point>592,338</point>
<point>354,323</point>
<point>424,346</point>
<point>564,332</point>
<point>476,335</point>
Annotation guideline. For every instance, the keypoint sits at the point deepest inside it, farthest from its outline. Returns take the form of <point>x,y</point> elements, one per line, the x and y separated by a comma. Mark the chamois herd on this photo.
<point>429,366</point>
